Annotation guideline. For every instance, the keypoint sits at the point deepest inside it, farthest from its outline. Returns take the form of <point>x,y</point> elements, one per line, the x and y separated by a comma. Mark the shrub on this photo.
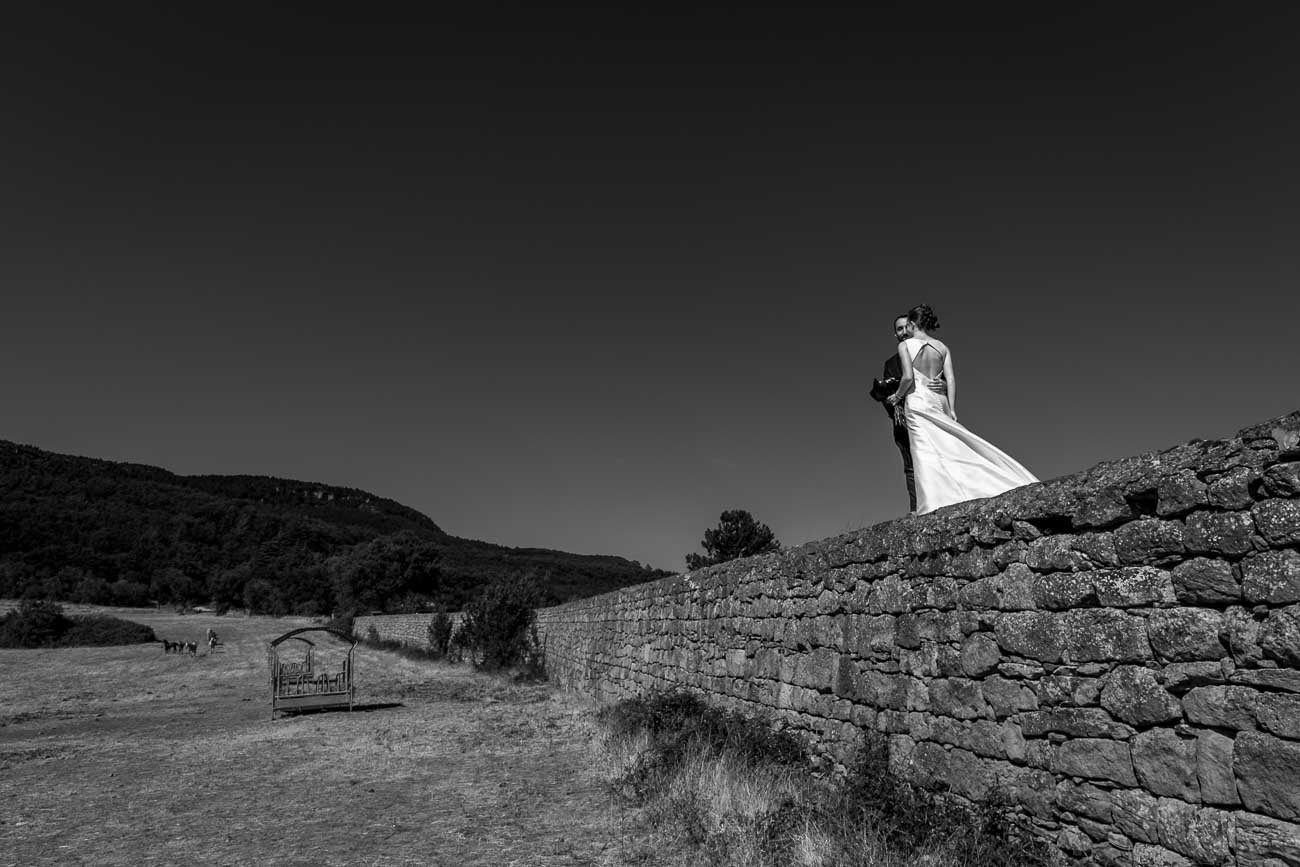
<point>100,630</point>
<point>496,628</point>
<point>34,623</point>
<point>440,629</point>
<point>43,624</point>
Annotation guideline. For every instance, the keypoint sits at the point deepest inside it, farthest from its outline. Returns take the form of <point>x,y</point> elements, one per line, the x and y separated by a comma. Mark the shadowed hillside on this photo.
<point>96,531</point>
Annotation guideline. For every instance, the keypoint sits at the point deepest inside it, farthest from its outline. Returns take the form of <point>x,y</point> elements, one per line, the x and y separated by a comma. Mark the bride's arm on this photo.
<point>906,381</point>
<point>949,375</point>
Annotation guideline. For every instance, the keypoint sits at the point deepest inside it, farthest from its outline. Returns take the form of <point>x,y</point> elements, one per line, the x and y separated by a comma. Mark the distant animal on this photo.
<point>169,646</point>
<point>192,648</point>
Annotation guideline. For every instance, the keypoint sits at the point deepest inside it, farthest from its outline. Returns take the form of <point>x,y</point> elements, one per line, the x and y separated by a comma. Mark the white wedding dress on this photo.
<point>952,464</point>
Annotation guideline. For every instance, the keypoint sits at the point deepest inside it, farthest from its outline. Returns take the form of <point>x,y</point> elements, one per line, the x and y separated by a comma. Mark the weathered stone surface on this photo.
<point>1105,508</point>
<point>1055,554</point>
<point>980,654</point>
<point>1278,521</point>
<point>1279,714</point>
<point>1095,759</point>
<point>1166,763</point>
<point>1085,799</point>
<point>1214,769</point>
<point>1241,630</point>
<point>1201,581</point>
<point>1006,697</point>
<point>1087,722</point>
<point>1060,591</point>
<point>1199,833</point>
<point>1031,634</point>
<point>1132,694</point>
<point>1279,636</point>
<point>1283,480</point>
<point>1186,634</point>
<point>1149,540</point>
<point>957,697</point>
<point>1267,769</point>
<point>1133,586</point>
<point>1103,635</point>
<point>1148,855</point>
<point>1226,707</point>
<point>1068,689</point>
<point>1179,494</point>
<point>1260,841</point>
<point>1179,677</point>
<point>1268,678</point>
<point>1219,533</point>
<point>1272,577</point>
<point>1134,813</point>
<point>1012,590</point>
<point>1232,489</point>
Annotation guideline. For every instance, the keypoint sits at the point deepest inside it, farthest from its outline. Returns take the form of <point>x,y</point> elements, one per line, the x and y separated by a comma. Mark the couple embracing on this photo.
<point>944,462</point>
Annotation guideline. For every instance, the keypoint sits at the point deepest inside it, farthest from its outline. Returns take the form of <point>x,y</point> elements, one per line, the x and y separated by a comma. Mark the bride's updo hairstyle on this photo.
<point>924,317</point>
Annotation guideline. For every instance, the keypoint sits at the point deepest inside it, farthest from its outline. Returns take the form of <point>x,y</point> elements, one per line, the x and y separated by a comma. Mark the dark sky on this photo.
<point>583,279</point>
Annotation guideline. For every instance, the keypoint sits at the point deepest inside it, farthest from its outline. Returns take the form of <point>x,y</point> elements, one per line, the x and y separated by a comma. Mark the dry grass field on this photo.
<point>127,755</point>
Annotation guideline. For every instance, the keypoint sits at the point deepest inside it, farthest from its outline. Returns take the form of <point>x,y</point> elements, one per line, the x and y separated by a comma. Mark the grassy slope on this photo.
<point>124,755</point>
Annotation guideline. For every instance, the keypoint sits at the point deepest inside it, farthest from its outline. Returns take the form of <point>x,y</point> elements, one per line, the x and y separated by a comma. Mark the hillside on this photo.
<point>88,530</point>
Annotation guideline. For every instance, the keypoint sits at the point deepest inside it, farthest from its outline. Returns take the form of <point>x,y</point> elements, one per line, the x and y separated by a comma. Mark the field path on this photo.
<point>129,756</point>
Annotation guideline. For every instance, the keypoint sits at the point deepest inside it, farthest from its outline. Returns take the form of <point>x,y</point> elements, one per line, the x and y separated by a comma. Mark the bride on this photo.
<point>952,464</point>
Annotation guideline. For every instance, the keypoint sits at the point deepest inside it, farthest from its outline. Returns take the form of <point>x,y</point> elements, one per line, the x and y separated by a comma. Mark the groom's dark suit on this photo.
<point>880,391</point>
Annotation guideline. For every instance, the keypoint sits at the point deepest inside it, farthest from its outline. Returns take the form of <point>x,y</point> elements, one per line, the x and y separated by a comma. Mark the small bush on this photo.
<point>496,628</point>
<point>37,623</point>
<point>440,629</point>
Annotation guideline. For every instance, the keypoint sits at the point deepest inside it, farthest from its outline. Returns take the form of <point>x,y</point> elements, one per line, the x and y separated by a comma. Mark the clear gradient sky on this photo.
<point>583,279</point>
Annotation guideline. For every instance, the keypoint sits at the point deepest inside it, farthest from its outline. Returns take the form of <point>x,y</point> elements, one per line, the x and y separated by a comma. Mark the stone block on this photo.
<point>1132,694</point>
<point>1149,855</point>
<point>1103,635</point>
<point>1134,813</point>
<point>1186,634</point>
<point>957,697</point>
<point>1095,759</point>
<point>1267,771</point>
<point>1012,590</point>
<point>1241,629</point>
<point>1084,799</point>
<point>1006,697</point>
<point>1232,489</point>
<point>1278,521</point>
<point>1069,689</point>
<point>1105,508</point>
<point>1061,591</point>
<point>1283,480</point>
<point>1179,493</point>
<point>1166,763</point>
<point>1214,769</point>
<point>1268,678</point>
<point>1278,713</point>
<point>1199,833</point>
<point>1261,841</point>
<point>1279,636</point>
<point>1179,677</point>
<point>1086,722</point>
<point>980,654</point>
<point>1271,577</point>
<point>1133,586</point>
<point>1225,707</point>
<point>1202,581</point>
<point>1032,634</point>
<point>1055,554</point>
<point>1219,533</point>
<point>1149,540</point>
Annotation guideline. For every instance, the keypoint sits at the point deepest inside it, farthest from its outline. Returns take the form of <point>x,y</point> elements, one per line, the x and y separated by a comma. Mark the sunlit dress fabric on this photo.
<point>952,464</point>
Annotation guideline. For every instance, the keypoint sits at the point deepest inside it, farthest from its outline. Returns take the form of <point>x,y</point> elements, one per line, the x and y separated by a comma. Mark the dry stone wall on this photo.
<point>1115,653</point>
<point>411,630</point>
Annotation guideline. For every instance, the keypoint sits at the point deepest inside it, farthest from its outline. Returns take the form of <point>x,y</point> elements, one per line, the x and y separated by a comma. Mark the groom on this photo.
<point>882,389</point>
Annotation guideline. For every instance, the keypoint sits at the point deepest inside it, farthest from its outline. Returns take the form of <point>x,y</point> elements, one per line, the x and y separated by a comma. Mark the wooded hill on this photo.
<point>87,530</point>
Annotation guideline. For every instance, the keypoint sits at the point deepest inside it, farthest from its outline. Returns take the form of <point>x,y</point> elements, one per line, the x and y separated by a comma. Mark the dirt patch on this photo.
<point>127,755</point>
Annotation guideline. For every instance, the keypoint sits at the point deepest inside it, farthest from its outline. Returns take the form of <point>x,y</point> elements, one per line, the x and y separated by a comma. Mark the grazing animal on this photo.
<point>192,648</point>
<point>168,646</point>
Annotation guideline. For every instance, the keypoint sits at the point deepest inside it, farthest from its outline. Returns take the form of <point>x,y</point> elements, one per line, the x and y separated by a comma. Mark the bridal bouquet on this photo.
<point>881,389</point>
